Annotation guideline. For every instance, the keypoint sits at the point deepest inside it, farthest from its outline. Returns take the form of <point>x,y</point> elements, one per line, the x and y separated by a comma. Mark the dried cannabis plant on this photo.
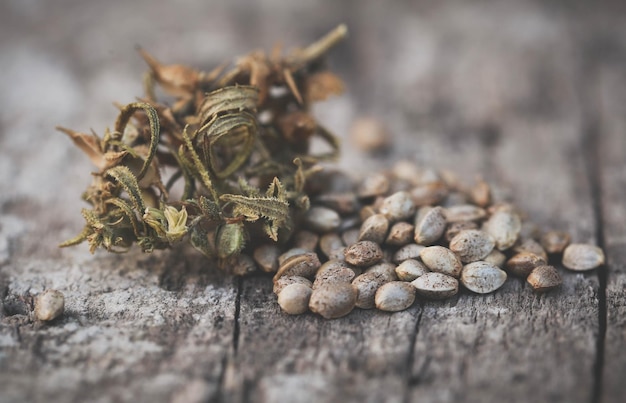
<point>239,139</point>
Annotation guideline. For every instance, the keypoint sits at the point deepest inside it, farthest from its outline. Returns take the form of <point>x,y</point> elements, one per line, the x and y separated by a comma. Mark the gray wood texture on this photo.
<point>530,96</point>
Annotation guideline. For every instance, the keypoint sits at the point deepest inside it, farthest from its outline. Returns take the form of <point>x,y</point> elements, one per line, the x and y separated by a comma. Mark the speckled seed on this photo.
<point>286,280</point>
<point>266,256</point>
<point>521,264</point>
<point>430,225</point>
<point>322,219</point>
<point>400,234</point>
<point>441,260</point>
<point>374,229</point>
<point>363,253</point>
<point>482,277</point>
<point>333,300</point>
<point>387,270</point>
<point>582,257</point>
<point>49,305</point>
<point>429,193</point>
<point>366,285</point>
<point>294,299</point>
<point>243,265</point>
<point>496,258</point>
<point>555,241</point>
<point>304,265</point>
<point>472,245</point>
<point>532,246</point>
<point>410,251</point>
<point>343,203</point>
<point>436,286</point>
<point>544,278</point>
<point>291,253</point>
<point>398,206</point>
<point>305,240</point>
<point>373,185</point>
<point>330,243</point>
<point>464,212</point>
<point>350,236</point>
<point>454,228</point>
<point>411,269</point>
<point>395,296</point>
<point>504,226</point>
<point>333,271</point>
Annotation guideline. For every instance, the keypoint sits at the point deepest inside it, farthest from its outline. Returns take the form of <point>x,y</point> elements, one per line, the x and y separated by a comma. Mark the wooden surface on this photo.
<point>532,97</point>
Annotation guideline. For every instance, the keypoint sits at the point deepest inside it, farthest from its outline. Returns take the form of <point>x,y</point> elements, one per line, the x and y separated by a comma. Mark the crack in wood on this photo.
<point>410,379</point>
<point>236,327</point>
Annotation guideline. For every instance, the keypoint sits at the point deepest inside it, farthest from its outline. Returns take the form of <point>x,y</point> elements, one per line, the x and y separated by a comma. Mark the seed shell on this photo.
<point>294,299</point>
<point>333,300</point>
<point>582,257</point>
<point>544,278</point>
<point>363,253</point>
<point>472,245</point>
<point>395,296</point>
<point>482,277</point>
<point>441,260</point>
<point>436,286</point>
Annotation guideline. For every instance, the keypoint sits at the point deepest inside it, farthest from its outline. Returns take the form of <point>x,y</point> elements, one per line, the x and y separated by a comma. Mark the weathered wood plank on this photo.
<point>610,83</point>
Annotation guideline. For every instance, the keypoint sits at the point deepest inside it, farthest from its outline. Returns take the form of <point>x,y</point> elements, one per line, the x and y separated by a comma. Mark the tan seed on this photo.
<point>411,269</point>
<point>555,241</point>
<point>430,226</point>
<point>366,285</point>
<point>398,206</point>
<point>242,265</point>
<point>322,219</point>
<point>284,281</point>
<point>496,258</point>
<point>266,256</point>
<point>290,253</point>
<point>464,212</point>
<point>387,270</point>
<point>454,228</point>
<point>480,193</point>
<point>333,300</point>
<point>472,245</point>
<point>366,212</point>
<point>436,286</point>
<point>350,236</point>
<point>441,260</point>
<point>400,234</point>
<point>330,243</point>
<point>374,229</point>
<point>373,185</point>
<point>504,226</point>
<point>49,305</point>
<point>532,246</point>
<point>521,264</point>
<point>343,203</point>
<point>294,299</point>
<point>363,253</point>
<point>429,194</point>
<point>410,251</point>
<point>482,277</point>
<point>582,257</point>
<point>305,240</point>
<point>395,296</point>
<point>333,271</point>
<point>304,265</point>
<point>544,278</point>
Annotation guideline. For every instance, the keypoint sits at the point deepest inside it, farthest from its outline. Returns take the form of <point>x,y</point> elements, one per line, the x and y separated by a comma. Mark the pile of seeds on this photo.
<point>410,233</point>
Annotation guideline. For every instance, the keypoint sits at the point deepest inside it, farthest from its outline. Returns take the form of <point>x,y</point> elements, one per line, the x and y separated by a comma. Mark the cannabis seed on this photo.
<point>521,264</point>
<point>366,285</point>
<point>555,241</point>
<point>482,277</point>
<point>284,281</point>
<point>472,245</point>
<point>532,246</point>
<point>480,193</point>
<point>496,258</point>
<point>411,269</point>
<point>582,257</point>
<point>387,270</point>
<point>395,296</point>
<point>343,203</point>
<point>464,212</point>
<point>374,229</point>
<point>429,194</point>
<point>304,265</point>
<point>350,236</point>
<point>49,305</point>
<point>398,206</point>
<point>322,219</point>
<point>441,260</point>
<point>330,244</point>
<point>243,265</point>
<point>294,299</point>
<point>410,251</point>
<point>333,300</point>
<point>504,225</point>
<point>544,278</point>
<point>305,240</point>
<point>400,234</point>
<point>373,185</point>
<point>430,226</point>
<point>333,271</point>
<point>454,228</point>
<point>436,286</point>
<point>363,253</point>
<point>291,253</point>
<point>266,256</point>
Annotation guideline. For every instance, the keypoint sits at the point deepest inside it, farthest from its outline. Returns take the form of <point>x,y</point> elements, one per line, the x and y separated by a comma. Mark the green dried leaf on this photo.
<point>127,180</point>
